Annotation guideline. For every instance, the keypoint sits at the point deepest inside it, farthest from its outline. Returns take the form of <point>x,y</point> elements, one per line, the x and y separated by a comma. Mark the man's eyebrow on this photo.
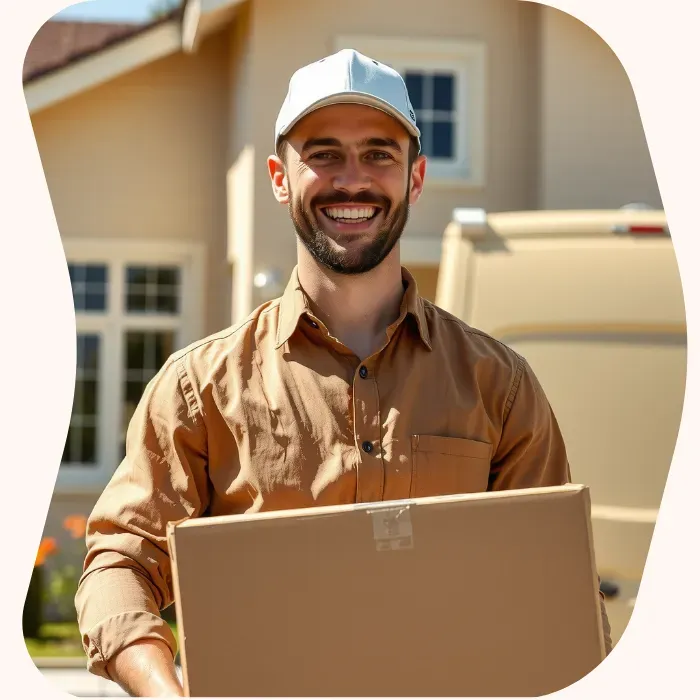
<point>382,142</point>
<point>316,142</point>
<point>375,141</point>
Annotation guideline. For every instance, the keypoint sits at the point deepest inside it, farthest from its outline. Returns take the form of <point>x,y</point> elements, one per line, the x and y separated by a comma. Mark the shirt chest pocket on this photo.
<point>444,466</point>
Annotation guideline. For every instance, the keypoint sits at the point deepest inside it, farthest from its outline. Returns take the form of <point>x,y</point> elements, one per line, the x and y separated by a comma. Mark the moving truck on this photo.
<point>593,301</point>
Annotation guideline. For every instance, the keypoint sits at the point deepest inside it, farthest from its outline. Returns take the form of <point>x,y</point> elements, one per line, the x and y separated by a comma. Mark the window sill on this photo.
<point>72,480</point>
<point>92,491</point>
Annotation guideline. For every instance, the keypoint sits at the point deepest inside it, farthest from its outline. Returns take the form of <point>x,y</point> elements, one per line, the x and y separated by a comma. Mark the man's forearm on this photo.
<point>146,669</point>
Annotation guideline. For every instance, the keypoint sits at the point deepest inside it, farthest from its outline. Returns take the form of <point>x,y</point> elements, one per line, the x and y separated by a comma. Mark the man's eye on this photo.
<point>378,155</point>
<point>324,155</point>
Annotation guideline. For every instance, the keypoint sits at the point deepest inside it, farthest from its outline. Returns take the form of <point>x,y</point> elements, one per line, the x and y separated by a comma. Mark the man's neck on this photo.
<point>356,309</point>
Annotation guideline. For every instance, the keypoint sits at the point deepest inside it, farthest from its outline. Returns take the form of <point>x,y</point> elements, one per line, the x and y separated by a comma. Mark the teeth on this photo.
<point>355,213</point>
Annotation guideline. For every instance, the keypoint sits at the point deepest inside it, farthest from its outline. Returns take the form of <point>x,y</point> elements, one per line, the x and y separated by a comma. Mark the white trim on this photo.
<point>194,20</point>
<point>190,26</point>
<point>467,60</point>
<point>103,66</point>
<point>116,253</point>
<point>423,250</point>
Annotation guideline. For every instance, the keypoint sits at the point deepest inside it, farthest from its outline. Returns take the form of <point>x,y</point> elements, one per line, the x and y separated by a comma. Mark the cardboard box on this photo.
<point>491,594</point>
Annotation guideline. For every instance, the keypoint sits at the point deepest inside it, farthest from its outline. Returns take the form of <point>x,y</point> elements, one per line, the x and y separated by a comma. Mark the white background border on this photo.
<point>656,43</point>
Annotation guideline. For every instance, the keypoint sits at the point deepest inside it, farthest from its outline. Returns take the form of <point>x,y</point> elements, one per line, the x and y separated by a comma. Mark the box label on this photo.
<point>392,528</point>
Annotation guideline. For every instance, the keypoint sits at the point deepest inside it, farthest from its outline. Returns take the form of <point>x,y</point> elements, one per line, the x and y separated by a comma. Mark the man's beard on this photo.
<point>320,247</point>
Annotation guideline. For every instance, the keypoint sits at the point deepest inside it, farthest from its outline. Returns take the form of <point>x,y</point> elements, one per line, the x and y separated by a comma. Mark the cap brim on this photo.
<point>360,98</point>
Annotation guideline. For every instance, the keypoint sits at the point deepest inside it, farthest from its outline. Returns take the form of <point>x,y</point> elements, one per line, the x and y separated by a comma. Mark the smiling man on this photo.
<point>350,388</point>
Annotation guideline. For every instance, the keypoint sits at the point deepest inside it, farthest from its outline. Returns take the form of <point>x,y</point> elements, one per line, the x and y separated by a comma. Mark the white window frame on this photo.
<point>467,60</point>
<point>111,326</point>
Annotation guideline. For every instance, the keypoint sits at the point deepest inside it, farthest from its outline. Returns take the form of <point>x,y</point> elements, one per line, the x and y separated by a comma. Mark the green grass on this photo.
<point>62,639</point>
<point>56,639</point>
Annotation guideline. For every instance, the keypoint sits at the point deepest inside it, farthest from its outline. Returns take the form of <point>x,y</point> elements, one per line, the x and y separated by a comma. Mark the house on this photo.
<point>153,140</point>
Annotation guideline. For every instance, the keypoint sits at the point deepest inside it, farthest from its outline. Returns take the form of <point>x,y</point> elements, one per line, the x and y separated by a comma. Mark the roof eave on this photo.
<point>161,40</point>
<point>203,17</point>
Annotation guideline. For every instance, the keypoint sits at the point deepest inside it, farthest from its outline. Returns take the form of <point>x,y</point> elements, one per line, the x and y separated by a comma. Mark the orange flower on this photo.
<point>47,547</point>
<point>76,525</point>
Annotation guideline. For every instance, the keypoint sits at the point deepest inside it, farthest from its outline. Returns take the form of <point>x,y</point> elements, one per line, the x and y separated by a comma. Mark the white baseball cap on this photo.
<point>346,77</point>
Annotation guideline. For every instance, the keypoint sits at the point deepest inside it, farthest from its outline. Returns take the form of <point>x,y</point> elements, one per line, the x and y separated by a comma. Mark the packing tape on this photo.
<point>392,527</point>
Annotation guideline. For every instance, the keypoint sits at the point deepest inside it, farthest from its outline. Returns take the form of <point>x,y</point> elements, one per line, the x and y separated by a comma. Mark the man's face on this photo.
<point>348,184</point>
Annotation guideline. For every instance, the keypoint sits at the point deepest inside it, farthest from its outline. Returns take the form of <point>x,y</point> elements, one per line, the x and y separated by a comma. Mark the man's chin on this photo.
<point>350,237</point>
<point>351,260</point>
<point>349,268</point>
<point>352,245</point>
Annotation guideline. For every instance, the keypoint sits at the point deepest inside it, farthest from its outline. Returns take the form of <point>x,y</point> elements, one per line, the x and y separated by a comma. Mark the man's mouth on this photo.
<point>351,215</point>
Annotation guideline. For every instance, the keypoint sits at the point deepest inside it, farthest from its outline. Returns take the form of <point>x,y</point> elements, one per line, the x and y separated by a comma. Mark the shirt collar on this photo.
<point>294,304</point>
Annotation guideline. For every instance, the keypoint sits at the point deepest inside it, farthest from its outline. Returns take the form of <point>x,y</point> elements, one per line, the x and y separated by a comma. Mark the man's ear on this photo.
<point>417,179</point>
<point>278,178</point>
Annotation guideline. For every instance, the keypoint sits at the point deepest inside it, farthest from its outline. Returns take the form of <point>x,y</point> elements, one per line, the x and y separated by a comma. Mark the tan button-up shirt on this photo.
<point>277,413</point>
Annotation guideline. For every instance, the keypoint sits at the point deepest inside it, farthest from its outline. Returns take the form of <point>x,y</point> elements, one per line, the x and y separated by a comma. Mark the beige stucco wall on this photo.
<point>594,152</point>
<point>508,28</point>
<point>240,162</point>
<point>143,157</point>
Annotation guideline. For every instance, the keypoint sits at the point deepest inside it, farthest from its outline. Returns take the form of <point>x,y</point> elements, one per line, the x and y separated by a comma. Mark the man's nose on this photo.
<point>352,177</point>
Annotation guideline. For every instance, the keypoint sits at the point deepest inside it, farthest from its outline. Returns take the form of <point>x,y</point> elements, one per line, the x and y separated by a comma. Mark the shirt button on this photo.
<point>363,372</point>
<point>367,446</point>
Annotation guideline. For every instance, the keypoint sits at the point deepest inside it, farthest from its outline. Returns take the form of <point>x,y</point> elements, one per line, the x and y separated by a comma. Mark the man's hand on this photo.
<point>146,669</point>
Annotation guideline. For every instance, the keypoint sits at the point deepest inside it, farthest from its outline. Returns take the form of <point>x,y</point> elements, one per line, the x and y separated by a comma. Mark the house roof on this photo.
<point>57,44</point>
<point>66,58</point>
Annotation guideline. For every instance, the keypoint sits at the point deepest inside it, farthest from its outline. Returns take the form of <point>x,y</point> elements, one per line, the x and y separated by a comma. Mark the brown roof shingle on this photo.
<point>59,43</point>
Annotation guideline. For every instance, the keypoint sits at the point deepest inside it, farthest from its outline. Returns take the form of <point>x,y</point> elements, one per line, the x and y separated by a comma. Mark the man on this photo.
<point>350,388</point>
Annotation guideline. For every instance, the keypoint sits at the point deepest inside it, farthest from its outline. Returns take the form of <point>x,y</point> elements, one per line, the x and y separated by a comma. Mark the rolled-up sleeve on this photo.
<point>531,452</point>
<point>127,579</point>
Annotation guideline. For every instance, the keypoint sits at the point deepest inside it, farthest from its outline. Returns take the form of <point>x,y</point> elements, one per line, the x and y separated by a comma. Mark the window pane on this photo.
<point>94,302</point>
<point>88,446</point>
<point>153,290</point>
<point>89,284</point>
<point>443,92</point>
<point>442,145</point>
<point>135,275</point>
<point>168,276</point>
<point>136,302</point>
<point>96,274</point>
<point>414,85</point>
<point>81,441</point>
<point>134,350</point>
<point>146,353</point>
<point>72,451</point>
<point>88,346</point>
<point>167,303</point>
<point>164,347</point>
<point>78,398</point>
<point>133,391</point>
<point>89,397</point>
<point>78,300</point>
